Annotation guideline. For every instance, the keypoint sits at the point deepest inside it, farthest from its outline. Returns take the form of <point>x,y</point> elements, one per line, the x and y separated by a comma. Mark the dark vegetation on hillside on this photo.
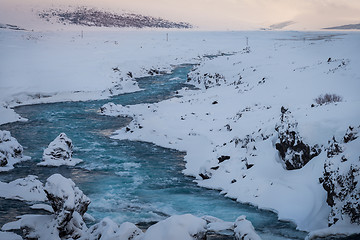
<point>98,18</point>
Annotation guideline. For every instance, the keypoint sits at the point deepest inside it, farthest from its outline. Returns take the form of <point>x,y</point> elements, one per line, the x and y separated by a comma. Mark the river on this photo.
<point>125,180</point>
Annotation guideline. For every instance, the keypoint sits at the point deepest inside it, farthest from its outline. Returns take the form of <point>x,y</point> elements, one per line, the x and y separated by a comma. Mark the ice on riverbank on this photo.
<point>59,152</point>
<point>11,152</point>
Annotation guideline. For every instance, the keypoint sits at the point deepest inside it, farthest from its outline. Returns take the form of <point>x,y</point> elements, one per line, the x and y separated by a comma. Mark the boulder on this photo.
<point>69,204</point>
<point>59,152</point>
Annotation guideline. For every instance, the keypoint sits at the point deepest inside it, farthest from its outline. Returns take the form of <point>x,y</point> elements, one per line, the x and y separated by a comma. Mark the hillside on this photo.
<point>92,17</point>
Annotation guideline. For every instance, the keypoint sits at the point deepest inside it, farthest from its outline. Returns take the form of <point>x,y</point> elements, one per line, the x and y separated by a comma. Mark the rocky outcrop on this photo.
<point>11,152</point>
<point>206,80</point>
<point>69,205</point>
<point>59,152</point>
<point>342,178</point>
<point>293,151</point>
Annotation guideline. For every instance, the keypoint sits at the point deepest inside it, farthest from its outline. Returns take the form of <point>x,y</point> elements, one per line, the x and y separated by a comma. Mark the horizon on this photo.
<point>207,14</point>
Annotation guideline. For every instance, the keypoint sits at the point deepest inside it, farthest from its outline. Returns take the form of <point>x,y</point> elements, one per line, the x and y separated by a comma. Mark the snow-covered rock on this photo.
<point>177,227</point>
<point>107,229</point>
<point>68,202</point>
<point>59,152</point>
<point>293,151</point>
<point>244,230</point>
<point>112,109</point>
<point>26,189</point>
<point>342,178</point>
<point>11,152</point>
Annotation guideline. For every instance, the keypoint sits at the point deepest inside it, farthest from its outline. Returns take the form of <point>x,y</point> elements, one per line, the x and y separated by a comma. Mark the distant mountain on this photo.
<point>98,18</point>
<point>11,27</point>
<point>281,25</point>
<point>278,26</point>
<point>346,27</point>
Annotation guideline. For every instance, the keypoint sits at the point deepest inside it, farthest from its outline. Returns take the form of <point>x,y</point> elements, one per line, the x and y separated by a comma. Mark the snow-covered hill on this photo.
<point>99,18</point>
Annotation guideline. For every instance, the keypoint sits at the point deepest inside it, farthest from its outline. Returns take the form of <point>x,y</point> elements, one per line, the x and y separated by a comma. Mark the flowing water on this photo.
<point>125,180</point>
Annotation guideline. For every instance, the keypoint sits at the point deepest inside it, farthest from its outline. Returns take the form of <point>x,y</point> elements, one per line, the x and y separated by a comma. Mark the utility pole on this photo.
<point>82,34</point>
<point>167,37</point>
<point>247,41</point>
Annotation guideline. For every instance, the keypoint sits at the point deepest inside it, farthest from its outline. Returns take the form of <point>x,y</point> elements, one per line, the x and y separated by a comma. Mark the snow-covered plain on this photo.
<point>227,126</point>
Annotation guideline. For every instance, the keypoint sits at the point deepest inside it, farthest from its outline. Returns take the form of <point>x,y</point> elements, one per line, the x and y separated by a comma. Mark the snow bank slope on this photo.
<point>228,127</point>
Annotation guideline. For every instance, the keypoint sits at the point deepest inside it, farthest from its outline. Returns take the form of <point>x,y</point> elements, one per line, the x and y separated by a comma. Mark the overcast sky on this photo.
<point>216,14</point>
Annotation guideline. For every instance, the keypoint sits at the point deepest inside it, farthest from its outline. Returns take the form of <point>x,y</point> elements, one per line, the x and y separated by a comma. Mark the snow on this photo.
<point>235,113</point>
<point>177,227</point>
<point>41,206</point>
<point>45,66</point>
<point>11,152</point>
<point>107,229</point>
<point>9,115</point>
<point>63,188</point>
<point>9,236</point>
<point>111,109</point>
<point>26,189</point>
<point>245,230</point>
<point>333,231</point>
<point>59,152</point>
<point>68,211</point>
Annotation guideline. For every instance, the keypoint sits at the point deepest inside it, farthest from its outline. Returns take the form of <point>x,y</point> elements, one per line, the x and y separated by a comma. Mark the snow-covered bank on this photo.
<point>234,127</point>
<point>68,211</point>
<point>42,67</point>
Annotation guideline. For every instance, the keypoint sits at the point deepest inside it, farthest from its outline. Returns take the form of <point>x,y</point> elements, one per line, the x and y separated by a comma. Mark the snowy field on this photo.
<point>252,129</point>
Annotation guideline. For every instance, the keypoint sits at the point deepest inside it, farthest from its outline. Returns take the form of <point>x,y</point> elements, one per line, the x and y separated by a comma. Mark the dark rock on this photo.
<point>293,151</point>
<point>350,135</point>
<point>3,159</point>
<point>215,168</point>
<point>215,102</point>
<point>204,176</point>
<point>130,74</point>
<point>341,180</point>
<point>223,158</point>
<point>248,166</point>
